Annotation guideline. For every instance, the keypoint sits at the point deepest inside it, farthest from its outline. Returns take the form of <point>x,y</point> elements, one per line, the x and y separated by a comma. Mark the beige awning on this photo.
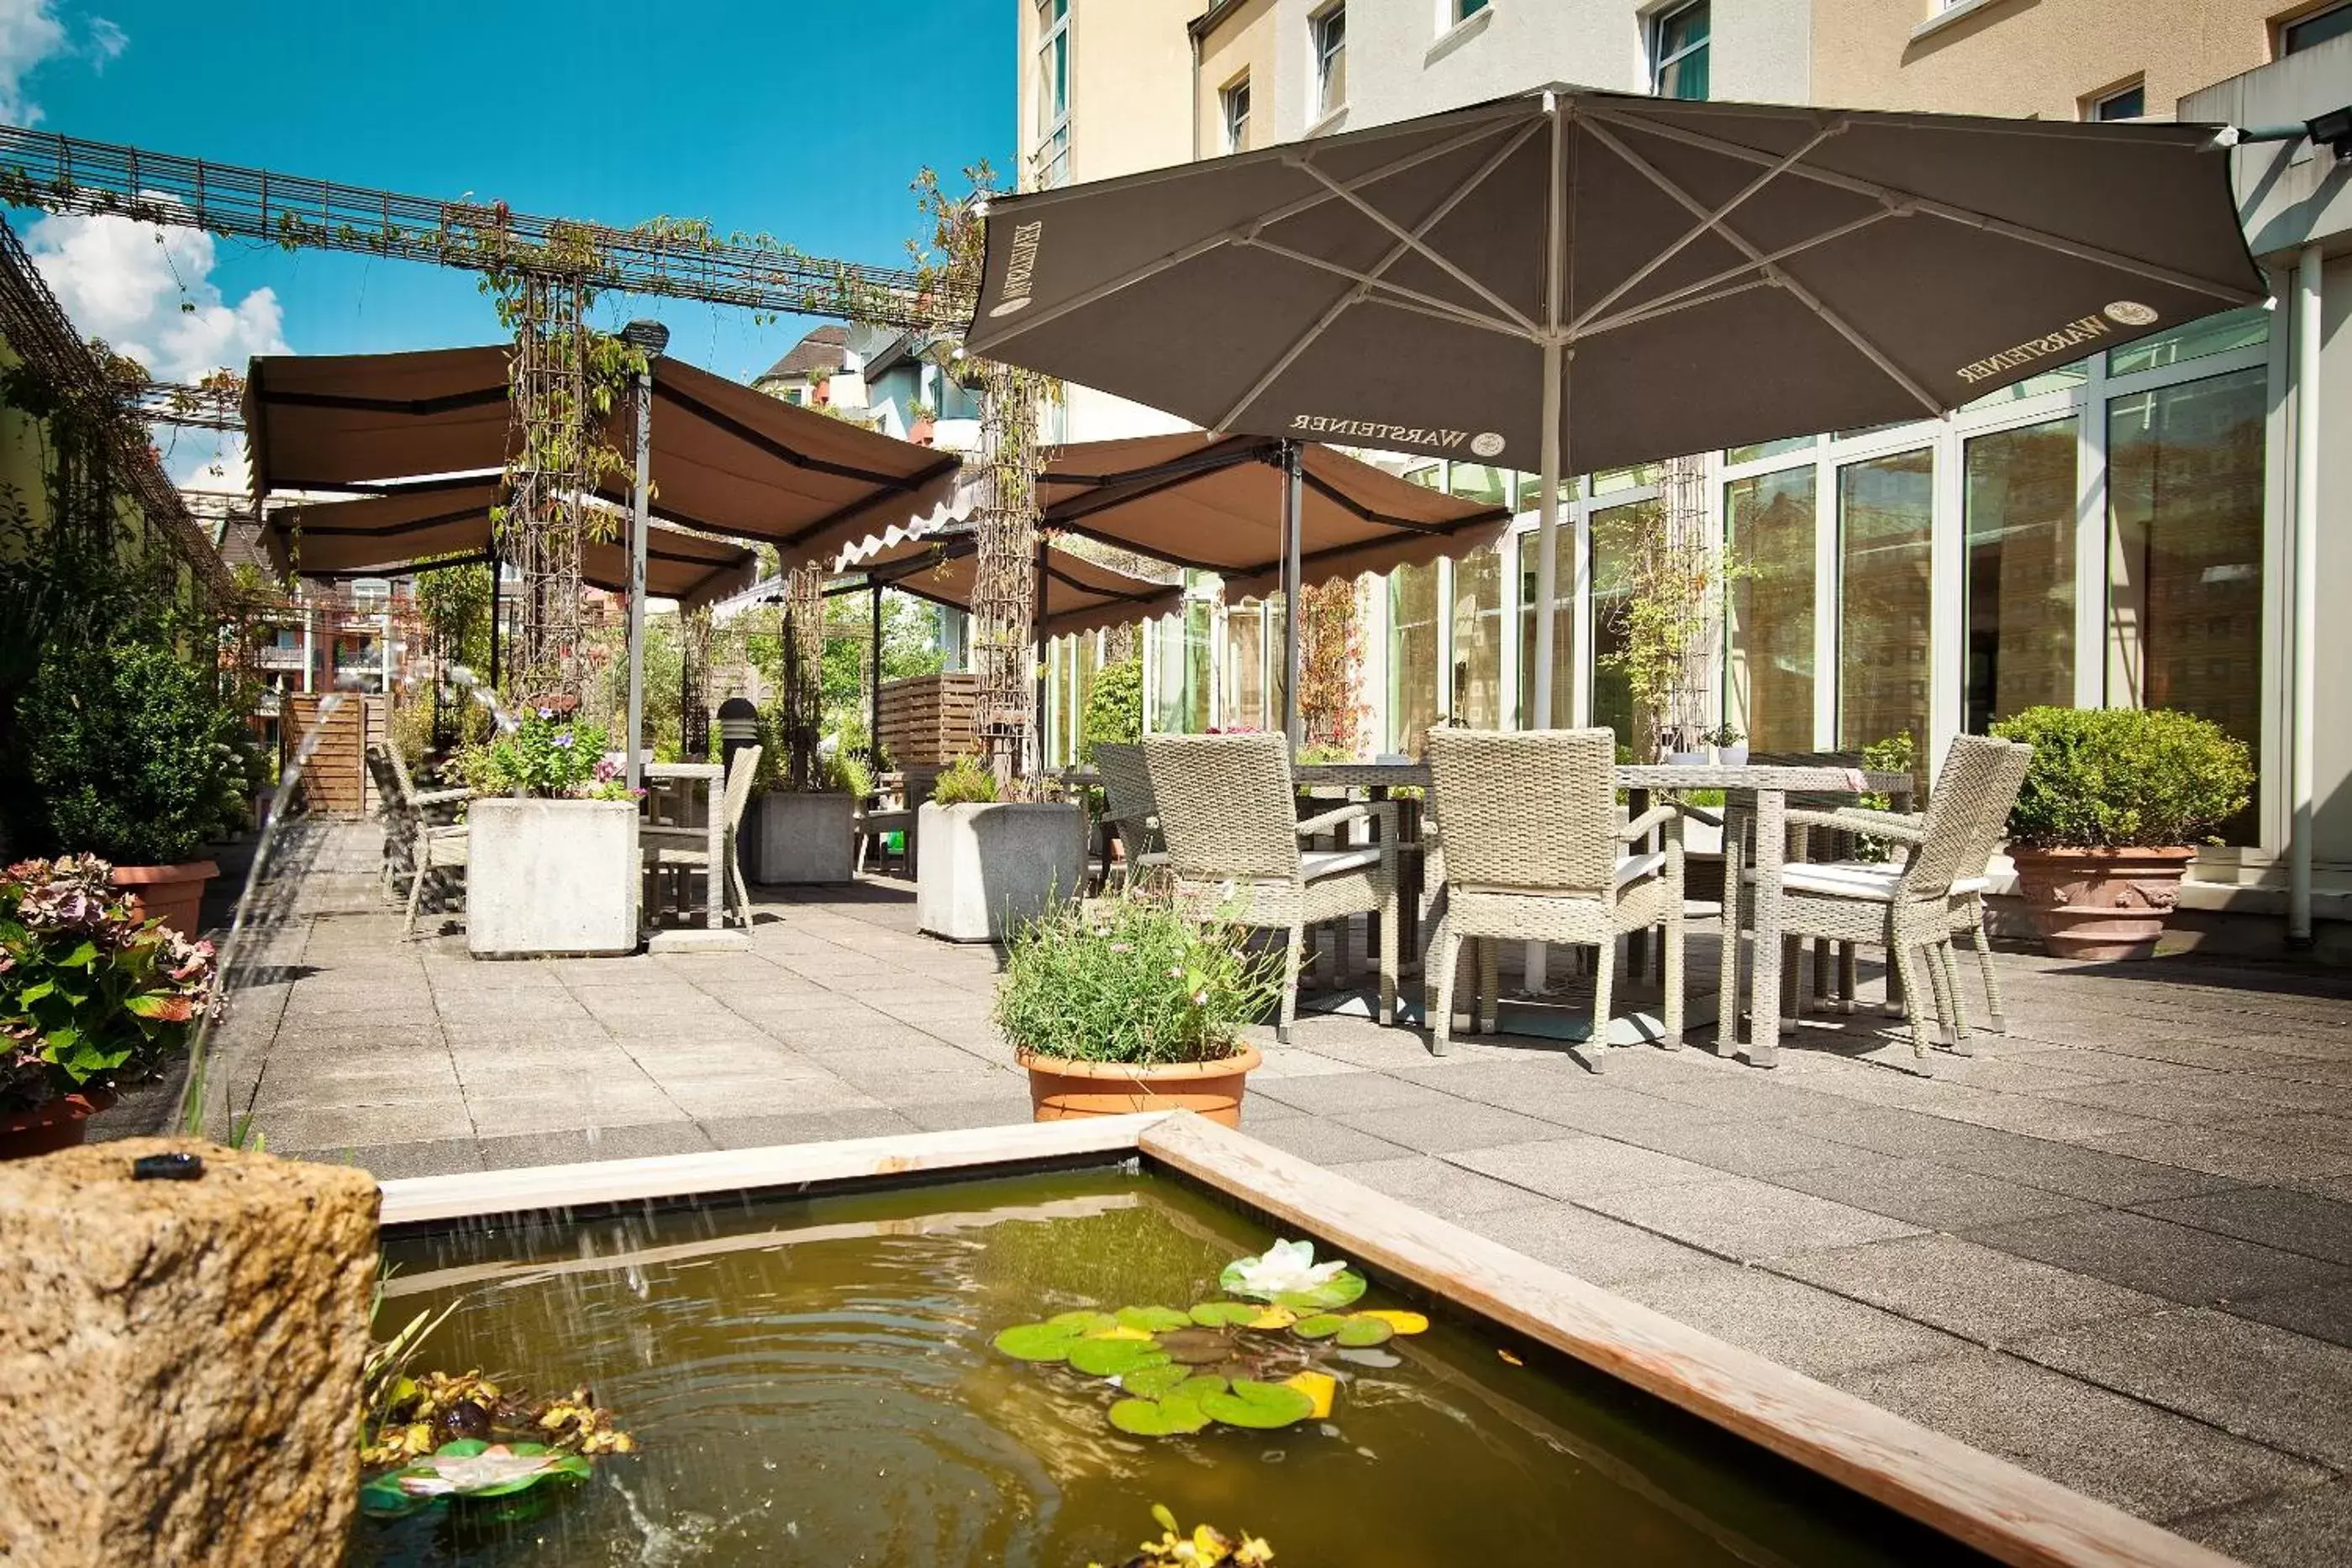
<point>727,460</point>
<point>1080,595</point>
<point>1215,504</point>
<point>387,536</point>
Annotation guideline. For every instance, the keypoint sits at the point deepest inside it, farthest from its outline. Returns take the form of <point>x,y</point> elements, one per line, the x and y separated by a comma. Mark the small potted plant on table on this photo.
<point>92,995</point>
<point>551,861</point>
<point>1126,1005</point>
<point>2110,816</point>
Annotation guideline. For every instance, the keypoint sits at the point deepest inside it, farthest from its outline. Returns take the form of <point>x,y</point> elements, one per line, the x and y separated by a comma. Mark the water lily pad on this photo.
<point>1321,1326</point>
<point>1118,1332</point>
<point>1342,1290</point>
<point>1262,1405</point>
<point>1225,1314</point>
<point>1199,1386</point>
<point>1196,1347</point>
<point>1084,1320</point>
<point>1274,1318</point>
<point>1038,1341</point>
<point>1115,1358</point>
<point>1155,1382</point>
<point>1166,1417</point>
<point>1318,1386</point>
<point>1402,1323</point>
<point>1359,1330</point>
<point>1153,1319</point>
<point>1377,1360</point>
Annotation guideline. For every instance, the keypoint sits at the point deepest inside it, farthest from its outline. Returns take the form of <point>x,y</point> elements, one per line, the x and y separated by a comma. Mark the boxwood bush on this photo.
<point>131,752</point>
<point>2125,778</point>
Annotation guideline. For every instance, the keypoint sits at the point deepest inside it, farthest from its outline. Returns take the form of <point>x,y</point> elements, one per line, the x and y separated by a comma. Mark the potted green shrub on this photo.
<point>551,861</point>
<point>135,761</point>
<point>1126,1005</point>
<point>989,865</point>
<point>2112,812</point>
<point>92,995</point>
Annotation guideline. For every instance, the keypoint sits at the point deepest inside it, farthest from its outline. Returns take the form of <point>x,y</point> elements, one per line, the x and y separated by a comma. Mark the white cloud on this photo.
<point>30,32</point>
<point>107,43</point>
<point>148,292</point>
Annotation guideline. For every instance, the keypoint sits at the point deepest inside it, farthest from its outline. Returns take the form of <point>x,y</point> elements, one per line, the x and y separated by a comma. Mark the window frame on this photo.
<point>1320,54</point>
<point>1236,91</point>
<point>1049,158</point>
<point>2283,29</point>
<point>2095,105</point>
<point>1659,60</point>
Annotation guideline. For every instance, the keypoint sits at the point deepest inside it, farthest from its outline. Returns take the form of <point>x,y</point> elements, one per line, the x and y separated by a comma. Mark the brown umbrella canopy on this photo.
<point>1080,595</point>
<point>1708,274</point>
<point>387,535</point>
<point>726,459</point>
<point>1215,504</point>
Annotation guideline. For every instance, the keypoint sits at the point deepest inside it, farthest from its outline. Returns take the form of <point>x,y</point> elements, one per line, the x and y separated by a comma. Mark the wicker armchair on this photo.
<point>1131,809</point>
<point>1532,852</point>
<point>688,849</point>
<point>1913,906</point>
<point>421,833</point>
<point>1229,810</point>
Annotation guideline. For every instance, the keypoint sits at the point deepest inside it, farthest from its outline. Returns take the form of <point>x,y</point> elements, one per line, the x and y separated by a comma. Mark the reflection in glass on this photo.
<point>2241,329</point>
<point>1563,629</point>
<point>1608,481</point>
<point>1885,506</point>
<point>1242,703</point>
<point>1768,685</point>
<point>1764,449</point>
<point>1477,690</point>
<point>1480,482</point>
<point>1413,657</point>
<point>2185,554</point>
<point>2020,512</point>
<point>1615,533</point>
<point>1180,652</point>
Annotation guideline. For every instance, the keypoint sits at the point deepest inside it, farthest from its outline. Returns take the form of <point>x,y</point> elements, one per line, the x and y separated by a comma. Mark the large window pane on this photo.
<point>1179,645</point>
<point>1477,690</point>
<point>2184,553</point>
<point>1883,510</point>
<point>1763,450</point>
<point>1563,629</point>
<point>2021,531</point>
<point>1480,482</point>
<point>1242,703</point>
<point>1413,657</point>
<point>2243,329</point>
<point>1614,533</point>
<point>1768,688</point>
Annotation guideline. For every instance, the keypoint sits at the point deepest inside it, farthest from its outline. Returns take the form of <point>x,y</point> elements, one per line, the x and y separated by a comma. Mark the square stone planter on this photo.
<point>547,878</point>
<point>792,838</point>
<point>986,868</point>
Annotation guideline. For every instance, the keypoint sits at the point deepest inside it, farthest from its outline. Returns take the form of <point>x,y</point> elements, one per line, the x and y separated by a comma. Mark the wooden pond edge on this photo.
<point>1984,1501</point>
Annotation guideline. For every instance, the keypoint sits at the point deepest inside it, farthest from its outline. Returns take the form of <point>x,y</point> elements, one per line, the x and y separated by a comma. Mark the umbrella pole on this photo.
<point>1037,635</point>
<point>633,760</point>
<point>1548,500</point>
<point>498,583</point>
<point>1293,463</point>
<point>874,697</point>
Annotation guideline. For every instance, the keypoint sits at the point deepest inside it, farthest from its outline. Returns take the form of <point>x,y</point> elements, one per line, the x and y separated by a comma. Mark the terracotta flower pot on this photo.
<point>1060,1089</point>
<point>44,1130</point>
<point>174,894</point>
<point>2101,903</point>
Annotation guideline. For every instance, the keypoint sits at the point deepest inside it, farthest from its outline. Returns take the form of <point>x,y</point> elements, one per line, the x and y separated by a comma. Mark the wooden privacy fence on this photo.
<point>337,782</point>
<point>930,720</point>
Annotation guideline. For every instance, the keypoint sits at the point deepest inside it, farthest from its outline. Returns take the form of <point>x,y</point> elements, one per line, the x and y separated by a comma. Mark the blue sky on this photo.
<point>800,119</point>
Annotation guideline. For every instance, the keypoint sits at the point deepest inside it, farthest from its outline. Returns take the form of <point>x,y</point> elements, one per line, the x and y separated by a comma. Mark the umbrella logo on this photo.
<point>2130,313</point>
<point>1486,444</point>
<point>1019,269</point>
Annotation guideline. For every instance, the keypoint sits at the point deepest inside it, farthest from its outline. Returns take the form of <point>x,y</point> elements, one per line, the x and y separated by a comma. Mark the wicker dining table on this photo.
<point>1770,785</point>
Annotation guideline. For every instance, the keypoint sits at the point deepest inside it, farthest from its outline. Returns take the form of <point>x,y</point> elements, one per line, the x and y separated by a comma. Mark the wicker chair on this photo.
<point>1532,852</point>
<point>1738,847</point>
<point>421,833</point>
<point>1913,906</point>
<point>1229,810</point>
<point>1131,809</point>
<point>687,849</point>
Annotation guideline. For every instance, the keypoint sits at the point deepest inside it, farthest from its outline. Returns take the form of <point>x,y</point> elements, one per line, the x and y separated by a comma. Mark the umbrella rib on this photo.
<point>1709,221</point>
<point>1031,321</point>
<point>1430,303</point>
<point>1709,289</point>
<point>1952,213</point>
<point>1449,316</point>
<point>1367,281</point>
<point>1651,313</point>
<point>1426,254</point>
<point>1773,273</point>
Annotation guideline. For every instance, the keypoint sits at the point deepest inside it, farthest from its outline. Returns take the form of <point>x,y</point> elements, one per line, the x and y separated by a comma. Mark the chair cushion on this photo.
<point>1316,864</point>
<point>1874,880</point>
<point>1633,868</point>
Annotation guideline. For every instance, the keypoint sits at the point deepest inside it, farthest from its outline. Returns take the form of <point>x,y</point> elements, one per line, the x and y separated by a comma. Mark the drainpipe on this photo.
<point>2300,770</point>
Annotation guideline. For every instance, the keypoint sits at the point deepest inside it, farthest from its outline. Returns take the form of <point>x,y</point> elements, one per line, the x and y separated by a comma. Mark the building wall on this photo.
<point>2039,58</point>
<point>1131,86</point>
<point>1244,40</point>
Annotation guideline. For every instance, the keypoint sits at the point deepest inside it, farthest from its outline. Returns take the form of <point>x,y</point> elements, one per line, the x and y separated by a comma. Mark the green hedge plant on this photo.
<point>131,752</point>
<point>1132,980</point>
<point>964,783</point>
<point>2117,778</point>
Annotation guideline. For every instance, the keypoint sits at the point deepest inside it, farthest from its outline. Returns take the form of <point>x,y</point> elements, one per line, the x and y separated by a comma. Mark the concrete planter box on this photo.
<point>986,868</point>
<point>795,838</point>
<point>551,877</point>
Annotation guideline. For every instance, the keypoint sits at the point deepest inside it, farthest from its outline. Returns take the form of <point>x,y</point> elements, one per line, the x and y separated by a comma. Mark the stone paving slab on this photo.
<point>2115,1246</point>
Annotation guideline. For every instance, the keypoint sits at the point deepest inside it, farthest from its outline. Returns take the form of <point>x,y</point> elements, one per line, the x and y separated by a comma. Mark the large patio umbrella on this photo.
<point>1572,280</point>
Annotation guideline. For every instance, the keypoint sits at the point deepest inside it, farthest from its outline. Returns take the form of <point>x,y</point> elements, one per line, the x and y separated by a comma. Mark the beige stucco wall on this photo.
<point>1243,40</point>
<point>2030,56</point>
<point>1131,86</point>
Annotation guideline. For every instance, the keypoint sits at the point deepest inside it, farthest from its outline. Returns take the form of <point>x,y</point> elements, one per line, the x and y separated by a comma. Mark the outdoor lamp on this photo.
<point>648,337</point>
<point>2332,131</point>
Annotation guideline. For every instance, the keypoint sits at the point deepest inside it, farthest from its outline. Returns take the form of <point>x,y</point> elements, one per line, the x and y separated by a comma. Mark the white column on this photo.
<point>2309,286</point>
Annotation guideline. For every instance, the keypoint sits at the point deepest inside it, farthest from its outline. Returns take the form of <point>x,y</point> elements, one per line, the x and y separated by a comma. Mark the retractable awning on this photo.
<point>1077,595</point>
<point>727,460</point>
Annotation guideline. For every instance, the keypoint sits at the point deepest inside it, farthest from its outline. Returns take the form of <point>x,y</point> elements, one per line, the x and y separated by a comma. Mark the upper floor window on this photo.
<point>1053,151</point>
<point>2127,103</point>
<point>1328,33</point>
<point>2315,28</point>
<point>1235,103</point>
<point>1463,10</point>
<point>1678,49</point>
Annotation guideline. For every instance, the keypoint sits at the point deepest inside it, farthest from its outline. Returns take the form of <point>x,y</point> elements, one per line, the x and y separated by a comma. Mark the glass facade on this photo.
<point>1885,507</point>
<point>1241,671</point>
<point>1563,628</point>
<point>1476,697</point>
<point>2018,503</point>
<point>1613,532</point>
<point>1769,629</point>
<point>1413,657</point>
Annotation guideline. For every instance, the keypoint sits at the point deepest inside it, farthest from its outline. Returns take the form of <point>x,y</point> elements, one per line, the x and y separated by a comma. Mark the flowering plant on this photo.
<point>89,993</point>
<point>1132,980</point>
<point>1285,1269</point>
<point>547,755</point>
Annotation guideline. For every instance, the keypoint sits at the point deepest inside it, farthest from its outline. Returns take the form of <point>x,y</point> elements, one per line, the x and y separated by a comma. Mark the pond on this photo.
<point>818,1380</point>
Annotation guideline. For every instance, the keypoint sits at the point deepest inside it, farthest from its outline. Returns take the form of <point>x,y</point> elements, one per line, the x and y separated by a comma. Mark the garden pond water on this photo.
<point>815,1380</point>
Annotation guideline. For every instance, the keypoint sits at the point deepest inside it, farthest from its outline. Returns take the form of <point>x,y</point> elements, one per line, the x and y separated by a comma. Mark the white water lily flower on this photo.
<point>456,1473</point>
<point>1284,1268</point>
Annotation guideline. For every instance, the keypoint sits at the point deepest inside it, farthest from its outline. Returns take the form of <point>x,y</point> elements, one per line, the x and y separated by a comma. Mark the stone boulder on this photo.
<point>180,1360</point>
